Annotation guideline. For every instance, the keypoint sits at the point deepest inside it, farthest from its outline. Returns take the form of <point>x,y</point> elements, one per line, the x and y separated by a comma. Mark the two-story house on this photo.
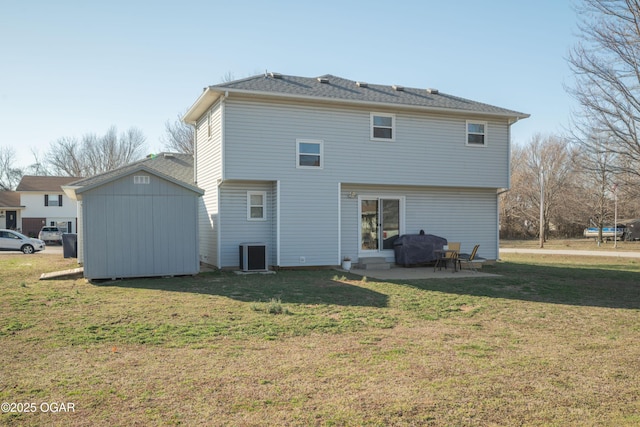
<point>45,203</point>
<point>323,168</point>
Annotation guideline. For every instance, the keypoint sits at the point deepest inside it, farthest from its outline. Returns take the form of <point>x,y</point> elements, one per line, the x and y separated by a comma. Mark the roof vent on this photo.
<point>275,75</point>
<point>398,88</point>
<point>432,91</point>
<point>362,84</point>
<point>323,79</point>
<point>168,155</point>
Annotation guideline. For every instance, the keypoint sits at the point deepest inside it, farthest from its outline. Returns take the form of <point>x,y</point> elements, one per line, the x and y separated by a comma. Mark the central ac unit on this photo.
<point>253,257</point>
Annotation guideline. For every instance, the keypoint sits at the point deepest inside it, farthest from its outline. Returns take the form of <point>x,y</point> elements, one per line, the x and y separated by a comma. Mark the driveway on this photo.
<point>53,250</point>
<point>619,254</point>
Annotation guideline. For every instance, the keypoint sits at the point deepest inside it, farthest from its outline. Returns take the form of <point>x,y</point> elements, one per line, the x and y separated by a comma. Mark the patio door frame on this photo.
<point>380,252</point>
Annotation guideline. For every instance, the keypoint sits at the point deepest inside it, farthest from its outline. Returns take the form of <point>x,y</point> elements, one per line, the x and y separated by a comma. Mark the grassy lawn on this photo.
<point>553,342</point>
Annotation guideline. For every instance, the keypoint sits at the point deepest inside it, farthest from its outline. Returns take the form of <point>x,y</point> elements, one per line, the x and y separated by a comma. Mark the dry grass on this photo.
<point>551,342</point>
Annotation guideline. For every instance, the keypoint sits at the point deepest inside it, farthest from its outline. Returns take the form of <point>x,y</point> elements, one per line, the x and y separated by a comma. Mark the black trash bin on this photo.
<point>70,245</point>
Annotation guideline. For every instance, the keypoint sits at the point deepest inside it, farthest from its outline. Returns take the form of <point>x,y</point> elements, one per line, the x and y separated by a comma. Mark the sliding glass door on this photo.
<point>380,223</point>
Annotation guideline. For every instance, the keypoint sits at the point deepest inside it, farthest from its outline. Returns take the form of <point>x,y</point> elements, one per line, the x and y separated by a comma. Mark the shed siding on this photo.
<point>429,149</point>
<point>237,229</point>
<point>80,234</point>
<point>461,215</point>
<point>135,230</point>
<point>208,166</point>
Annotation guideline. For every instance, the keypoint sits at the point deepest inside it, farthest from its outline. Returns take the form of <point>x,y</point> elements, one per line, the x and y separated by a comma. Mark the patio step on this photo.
<point>373,263</point>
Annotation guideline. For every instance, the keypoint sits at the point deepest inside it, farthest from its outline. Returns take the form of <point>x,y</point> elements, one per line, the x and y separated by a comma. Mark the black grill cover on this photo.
<point>416,249</point>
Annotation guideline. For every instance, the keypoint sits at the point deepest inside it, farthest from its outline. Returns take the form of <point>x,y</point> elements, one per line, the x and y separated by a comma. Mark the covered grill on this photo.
<point>417,249</point>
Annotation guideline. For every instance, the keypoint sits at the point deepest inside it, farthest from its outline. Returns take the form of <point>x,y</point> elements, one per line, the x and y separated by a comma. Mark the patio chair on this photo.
<point>470,260</point>
<point>446,256</point>
<point>451,256</point>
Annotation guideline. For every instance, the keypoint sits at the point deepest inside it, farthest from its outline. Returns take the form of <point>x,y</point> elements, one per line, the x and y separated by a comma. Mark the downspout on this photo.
<point>498,217</point>
<point>220,180</point>
<point>218,231</point>
<point>195,154</point>
<point>278,204</point>
<point>222,133</point>
<point>339,224</point>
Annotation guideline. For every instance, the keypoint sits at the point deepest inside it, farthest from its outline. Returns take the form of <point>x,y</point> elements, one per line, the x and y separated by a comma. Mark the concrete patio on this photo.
<point>419,273</point>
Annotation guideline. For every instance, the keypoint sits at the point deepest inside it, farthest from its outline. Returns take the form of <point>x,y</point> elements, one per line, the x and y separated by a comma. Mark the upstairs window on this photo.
<point>256,205</point>
<point>53,199</point>
<point>476,133</point>
<point>309,154</point>
<point>383,126</point>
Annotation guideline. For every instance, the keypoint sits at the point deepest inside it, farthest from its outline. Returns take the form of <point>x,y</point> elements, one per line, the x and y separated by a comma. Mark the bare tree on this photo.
<point>10,174</point>
<point>178,136</point>
<point>227,77</point>
<point>606,63</point>
<point>93,154</point>
<point>38,167</point>
<point>596,181</point>
<point>521,206</point>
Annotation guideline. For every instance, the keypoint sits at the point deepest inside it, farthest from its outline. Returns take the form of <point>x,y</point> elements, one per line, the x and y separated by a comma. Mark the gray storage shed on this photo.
<point>139,220</point>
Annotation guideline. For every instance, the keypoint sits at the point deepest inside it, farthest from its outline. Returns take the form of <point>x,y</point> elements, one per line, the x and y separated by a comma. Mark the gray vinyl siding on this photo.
<point>208,169</point>
<point>137,230</point>
<point>452,185</point>
<point>461,215</point>
<point>308,222</point>
<point>429,149</point>
<point>237,229</point>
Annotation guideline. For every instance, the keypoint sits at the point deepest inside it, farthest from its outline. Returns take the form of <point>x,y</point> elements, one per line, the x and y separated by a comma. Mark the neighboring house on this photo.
<point>10,210</point>
<point>46,204</point>
<point>323,168</point>
<point>139,220</point>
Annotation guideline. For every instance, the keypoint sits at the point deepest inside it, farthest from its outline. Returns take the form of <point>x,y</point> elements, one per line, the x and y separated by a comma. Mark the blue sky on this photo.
<point>74,67</point>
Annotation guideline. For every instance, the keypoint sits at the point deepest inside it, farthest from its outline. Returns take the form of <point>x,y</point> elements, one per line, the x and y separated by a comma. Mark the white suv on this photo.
<point>50,234</point>
<point>13,241</point>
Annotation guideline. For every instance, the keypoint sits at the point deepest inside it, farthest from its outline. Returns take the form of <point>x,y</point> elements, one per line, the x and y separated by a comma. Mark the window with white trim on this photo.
<point>476,133</point>
<point>383,127</point>
<point>256,205</point>
<point>309,153</point>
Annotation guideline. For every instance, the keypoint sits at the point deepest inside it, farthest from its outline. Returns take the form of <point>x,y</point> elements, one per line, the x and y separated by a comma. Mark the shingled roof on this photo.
<point>175,167</point>
<point>337,89</point>
<point>44,183</point>
<point>9,199</point>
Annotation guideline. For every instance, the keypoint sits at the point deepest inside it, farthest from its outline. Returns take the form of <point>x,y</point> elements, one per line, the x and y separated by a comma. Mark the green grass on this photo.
<point>551,341</point>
